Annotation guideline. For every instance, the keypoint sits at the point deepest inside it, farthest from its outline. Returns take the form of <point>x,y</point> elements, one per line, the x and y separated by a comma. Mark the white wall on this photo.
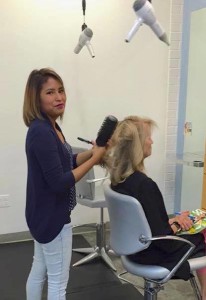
<point>122,79</point>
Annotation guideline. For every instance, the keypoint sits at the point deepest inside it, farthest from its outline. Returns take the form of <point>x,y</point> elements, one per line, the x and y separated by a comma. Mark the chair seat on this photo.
<point>145,271</point>
<point>157,272</point>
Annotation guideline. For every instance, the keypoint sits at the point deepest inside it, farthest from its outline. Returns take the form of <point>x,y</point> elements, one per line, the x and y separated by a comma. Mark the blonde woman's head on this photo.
<point>129,146</point>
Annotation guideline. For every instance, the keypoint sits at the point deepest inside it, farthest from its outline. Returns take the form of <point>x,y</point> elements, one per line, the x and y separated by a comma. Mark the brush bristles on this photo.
<point>106,130</point>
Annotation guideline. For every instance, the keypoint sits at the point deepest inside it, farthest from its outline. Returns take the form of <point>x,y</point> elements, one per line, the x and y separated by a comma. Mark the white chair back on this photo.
<point>128,223</point>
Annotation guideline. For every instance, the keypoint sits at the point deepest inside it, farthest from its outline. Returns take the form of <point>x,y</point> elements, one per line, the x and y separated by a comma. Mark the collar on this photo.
<point>49,121</point>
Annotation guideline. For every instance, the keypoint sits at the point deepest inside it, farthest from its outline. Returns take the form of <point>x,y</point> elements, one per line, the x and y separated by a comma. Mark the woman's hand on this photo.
<point>98,153</point>
<point>183,219</point>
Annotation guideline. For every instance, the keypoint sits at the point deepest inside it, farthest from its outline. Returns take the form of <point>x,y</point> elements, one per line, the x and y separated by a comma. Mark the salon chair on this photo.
<point>130,233</point>
<point>92,196</point>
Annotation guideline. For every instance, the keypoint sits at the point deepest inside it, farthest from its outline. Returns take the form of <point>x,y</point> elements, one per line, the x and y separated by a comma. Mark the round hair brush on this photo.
<point>106,130</point>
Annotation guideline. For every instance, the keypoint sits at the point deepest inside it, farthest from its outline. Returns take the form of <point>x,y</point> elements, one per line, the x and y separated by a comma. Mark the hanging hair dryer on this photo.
<point>146,14</point>
<point>84,40</point>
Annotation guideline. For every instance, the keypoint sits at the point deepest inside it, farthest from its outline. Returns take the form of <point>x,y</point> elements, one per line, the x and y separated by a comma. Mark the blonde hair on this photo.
<point>125,153</point>
<point>36,79</point>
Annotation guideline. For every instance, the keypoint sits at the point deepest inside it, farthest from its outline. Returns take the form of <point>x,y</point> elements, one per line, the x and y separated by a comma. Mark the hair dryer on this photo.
<point>146,14</point>
<point>84,39</point>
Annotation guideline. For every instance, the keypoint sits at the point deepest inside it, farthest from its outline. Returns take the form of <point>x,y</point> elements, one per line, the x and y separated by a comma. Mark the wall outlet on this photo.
<point>4,201</point>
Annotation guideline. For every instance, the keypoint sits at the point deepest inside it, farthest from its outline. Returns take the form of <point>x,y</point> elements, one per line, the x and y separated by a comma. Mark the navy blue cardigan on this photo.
<point>48,183</point>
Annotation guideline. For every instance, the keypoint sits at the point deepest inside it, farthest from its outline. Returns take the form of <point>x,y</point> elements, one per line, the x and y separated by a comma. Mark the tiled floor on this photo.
<point>174,289</point>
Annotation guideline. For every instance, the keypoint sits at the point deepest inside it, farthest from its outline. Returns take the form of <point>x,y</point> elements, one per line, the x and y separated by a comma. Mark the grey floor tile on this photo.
<point>174,289</point>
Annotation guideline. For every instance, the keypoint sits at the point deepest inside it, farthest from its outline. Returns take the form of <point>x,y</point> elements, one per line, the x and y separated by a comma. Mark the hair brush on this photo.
<point>106,130</point>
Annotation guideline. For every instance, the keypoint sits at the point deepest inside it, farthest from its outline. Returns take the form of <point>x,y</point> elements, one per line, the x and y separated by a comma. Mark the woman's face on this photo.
<point>148,141</point>
<point>52,98</point>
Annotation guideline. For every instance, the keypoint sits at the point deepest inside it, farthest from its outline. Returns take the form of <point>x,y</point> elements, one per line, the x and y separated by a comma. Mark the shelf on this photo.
<point>192,159</point>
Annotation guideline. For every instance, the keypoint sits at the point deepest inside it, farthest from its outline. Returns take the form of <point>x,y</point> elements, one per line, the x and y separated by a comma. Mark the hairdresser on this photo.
<point>53,171</point>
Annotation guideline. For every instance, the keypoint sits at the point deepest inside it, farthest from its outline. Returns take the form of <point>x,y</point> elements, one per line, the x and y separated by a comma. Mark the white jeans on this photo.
<point>52,261</point>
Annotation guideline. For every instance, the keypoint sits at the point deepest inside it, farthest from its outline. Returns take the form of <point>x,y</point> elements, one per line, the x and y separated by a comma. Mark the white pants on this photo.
<point>51,261</point>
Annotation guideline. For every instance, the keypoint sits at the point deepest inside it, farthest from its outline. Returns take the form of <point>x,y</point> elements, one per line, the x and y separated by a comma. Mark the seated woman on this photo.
<point>130,144</point>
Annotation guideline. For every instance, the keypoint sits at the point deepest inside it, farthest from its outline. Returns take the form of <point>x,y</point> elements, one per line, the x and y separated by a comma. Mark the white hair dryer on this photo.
<point>146,14</point>
<point>84,40</point>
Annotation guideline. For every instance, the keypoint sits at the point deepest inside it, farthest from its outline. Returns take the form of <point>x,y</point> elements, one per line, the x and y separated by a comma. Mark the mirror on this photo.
<point>192,122</point>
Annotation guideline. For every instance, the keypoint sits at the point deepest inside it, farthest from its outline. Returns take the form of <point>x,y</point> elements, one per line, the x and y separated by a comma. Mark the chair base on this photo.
<point>151,289</point>
<point>92,254</point>
<point>120,276</point>
<point>100,250</point>
<point>195,287</point>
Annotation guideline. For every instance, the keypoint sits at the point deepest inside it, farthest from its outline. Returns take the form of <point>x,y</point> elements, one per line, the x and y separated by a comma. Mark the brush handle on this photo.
<point>106,130</point>
<point>83,140</point>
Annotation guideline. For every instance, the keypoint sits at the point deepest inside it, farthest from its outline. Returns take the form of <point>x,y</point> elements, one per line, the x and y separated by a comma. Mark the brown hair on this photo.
<point>31,107</point>
<point>125,153</point>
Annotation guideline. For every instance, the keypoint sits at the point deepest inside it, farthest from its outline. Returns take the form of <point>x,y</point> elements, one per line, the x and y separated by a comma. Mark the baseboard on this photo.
<point>25,235</point>
<point>15,237</point>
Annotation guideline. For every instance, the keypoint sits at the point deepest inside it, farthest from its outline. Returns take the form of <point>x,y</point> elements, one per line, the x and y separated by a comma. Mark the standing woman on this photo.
<point>53,171</point>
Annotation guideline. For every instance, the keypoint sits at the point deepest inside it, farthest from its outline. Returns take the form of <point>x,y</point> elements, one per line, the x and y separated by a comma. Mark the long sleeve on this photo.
<point>152,202</point>
<point>50,181</point>
<point>42,147</point>
<point>146,191</point>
